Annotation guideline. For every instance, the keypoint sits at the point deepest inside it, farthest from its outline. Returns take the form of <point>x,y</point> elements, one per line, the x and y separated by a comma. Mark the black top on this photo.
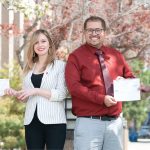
<point>36,80</point>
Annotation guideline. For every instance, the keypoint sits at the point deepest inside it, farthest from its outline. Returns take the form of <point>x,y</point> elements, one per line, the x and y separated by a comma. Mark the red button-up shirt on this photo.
<point>85,82</point>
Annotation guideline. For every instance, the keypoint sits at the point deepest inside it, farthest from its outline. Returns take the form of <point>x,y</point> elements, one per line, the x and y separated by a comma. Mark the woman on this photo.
<point>44,91</point>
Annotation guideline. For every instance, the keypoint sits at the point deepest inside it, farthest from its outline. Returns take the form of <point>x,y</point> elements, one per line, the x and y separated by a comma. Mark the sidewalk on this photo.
<point>142,144</point>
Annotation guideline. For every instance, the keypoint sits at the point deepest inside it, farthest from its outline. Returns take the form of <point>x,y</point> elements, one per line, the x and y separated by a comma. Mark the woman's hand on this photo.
<point>25,93</point>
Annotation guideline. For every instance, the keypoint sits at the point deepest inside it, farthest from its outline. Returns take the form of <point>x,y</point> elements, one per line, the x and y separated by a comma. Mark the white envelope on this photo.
<point>4,84</point>
<point>127,89</point>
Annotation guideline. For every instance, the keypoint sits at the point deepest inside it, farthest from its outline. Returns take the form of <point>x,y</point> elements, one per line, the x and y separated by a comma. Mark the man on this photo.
<point>98,125</point>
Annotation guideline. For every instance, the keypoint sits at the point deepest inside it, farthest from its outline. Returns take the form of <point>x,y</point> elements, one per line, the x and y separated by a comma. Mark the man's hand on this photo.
<point>145,89</point>
<point>109,101</point>
<point>119,78</point>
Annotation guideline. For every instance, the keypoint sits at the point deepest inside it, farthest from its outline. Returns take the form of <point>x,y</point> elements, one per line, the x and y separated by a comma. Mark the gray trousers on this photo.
<point>94,134</point>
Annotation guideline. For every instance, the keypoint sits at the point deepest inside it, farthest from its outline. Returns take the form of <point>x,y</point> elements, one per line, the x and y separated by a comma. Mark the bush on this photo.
<point>11,111</point>
<point>137,111</point>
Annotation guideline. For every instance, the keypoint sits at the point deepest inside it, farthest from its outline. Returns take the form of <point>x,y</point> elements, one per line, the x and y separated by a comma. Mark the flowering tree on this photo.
<point>127,22</point>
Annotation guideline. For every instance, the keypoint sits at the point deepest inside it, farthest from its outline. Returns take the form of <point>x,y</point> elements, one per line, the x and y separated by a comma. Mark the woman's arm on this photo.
<point>25,93</point>
<point>60,91</point>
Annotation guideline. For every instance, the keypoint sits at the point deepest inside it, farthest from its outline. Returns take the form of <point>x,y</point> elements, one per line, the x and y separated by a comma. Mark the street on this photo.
<point>142,144</point>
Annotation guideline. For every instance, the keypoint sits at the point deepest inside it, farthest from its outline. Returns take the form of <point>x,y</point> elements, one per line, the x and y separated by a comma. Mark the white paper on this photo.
<point>127,89</point>
<point>4,84</point>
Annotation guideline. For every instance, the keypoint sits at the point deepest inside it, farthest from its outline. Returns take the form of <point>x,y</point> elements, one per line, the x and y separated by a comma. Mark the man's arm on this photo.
<point>75,87</point>
<point>127,72</point>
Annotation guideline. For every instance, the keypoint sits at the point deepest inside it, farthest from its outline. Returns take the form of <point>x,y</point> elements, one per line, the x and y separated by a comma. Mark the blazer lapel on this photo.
<point>46,73</point>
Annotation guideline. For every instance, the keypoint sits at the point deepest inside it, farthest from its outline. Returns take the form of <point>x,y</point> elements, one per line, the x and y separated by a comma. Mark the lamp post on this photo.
<point>0,36</point>
<point>11,36</point>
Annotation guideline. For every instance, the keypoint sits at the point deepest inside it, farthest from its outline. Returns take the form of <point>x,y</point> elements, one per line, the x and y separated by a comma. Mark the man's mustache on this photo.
<point>95,36</point>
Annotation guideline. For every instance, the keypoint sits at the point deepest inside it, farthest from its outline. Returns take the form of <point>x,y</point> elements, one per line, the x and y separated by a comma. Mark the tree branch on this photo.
<point>25,36</point>
<point>139,53</point>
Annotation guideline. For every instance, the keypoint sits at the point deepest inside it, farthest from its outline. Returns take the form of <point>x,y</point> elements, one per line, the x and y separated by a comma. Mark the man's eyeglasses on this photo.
<point>96,30</point>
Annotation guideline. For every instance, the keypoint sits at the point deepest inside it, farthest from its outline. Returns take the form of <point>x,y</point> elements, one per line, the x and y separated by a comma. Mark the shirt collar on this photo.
<point>94,49</point>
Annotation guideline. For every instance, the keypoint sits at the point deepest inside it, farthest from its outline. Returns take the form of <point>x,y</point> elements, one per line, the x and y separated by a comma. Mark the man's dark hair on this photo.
<point>95,18</point>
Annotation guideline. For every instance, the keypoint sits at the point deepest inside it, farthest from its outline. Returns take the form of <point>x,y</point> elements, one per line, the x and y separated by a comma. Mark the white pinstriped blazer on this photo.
<point>49,111</point>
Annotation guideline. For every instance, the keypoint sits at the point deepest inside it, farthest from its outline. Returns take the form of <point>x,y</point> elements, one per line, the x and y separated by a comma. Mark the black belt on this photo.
<point>103,118</point>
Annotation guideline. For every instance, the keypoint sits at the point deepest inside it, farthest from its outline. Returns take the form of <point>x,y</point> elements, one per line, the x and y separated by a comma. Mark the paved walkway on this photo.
<point>142,144</point>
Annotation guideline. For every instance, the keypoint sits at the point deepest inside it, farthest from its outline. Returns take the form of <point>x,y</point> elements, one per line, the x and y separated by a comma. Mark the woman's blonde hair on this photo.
<point>32,57</point>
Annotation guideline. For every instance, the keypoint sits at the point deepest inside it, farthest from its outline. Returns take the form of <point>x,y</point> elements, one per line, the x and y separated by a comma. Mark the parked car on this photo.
<point>144,132</point>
